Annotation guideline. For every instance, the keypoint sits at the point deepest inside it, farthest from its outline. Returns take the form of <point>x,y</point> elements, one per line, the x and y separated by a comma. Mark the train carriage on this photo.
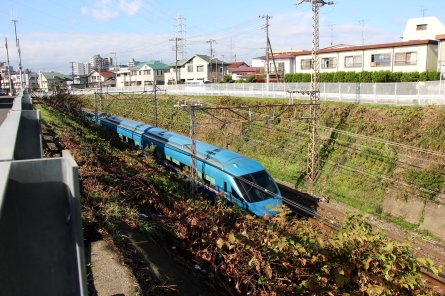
<point>219,170</point>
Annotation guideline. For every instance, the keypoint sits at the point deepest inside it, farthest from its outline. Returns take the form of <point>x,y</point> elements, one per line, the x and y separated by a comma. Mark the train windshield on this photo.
<point>262,179</point>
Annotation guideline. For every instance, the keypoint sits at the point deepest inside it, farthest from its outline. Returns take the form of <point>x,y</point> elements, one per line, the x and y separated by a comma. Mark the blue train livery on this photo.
<point>241,180</point>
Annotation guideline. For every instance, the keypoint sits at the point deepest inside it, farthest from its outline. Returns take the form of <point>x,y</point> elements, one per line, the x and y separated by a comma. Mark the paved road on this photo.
<point>5,106</point>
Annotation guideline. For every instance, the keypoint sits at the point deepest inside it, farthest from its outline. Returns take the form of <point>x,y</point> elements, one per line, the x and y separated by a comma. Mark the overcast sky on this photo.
<point>53,33</point>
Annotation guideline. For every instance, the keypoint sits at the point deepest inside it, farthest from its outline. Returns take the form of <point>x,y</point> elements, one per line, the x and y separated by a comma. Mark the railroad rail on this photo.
<point>42,252</point>
<point>329,215</point>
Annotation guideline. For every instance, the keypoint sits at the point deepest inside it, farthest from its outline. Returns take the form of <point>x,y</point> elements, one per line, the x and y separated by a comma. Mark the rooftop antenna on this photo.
<point>362,22</point>
<point>331,26</point>
<point>423,10</point>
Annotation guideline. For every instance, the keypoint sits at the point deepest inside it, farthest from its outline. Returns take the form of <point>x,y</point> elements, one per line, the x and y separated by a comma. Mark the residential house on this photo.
<point>244,72</point>
<point>50,80</point>
<point>101,78</point>
<point>234,65</point>
<point>142,74</point>
<point>195,68</point>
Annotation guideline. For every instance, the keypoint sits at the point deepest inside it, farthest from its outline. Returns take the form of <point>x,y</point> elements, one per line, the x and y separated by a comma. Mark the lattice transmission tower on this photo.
<point>313,162</point>
<point>179,35</point>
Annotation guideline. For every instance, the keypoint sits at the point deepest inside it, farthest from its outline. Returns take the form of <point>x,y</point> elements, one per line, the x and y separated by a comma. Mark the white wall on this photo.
<point>434,27</point>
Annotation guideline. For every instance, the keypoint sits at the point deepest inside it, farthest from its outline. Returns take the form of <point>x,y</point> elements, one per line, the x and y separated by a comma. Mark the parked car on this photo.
<point>2,92</point>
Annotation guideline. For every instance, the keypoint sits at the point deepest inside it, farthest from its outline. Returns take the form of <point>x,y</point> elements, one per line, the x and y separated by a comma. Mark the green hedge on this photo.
<point>365,76</point>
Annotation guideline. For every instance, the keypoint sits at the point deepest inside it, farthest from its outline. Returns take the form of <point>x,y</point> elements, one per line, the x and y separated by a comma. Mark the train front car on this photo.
<point>259,192</point>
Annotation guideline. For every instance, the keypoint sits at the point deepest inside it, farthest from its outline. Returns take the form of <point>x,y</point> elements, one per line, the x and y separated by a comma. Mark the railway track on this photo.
<point>332,214</point>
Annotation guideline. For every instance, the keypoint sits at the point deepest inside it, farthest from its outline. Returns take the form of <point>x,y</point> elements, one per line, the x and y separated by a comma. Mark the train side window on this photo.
<point>209,181</point>
<point>225,186</point>
<point>236,195</point>
<point>176,162</point>
<point>199,175</point>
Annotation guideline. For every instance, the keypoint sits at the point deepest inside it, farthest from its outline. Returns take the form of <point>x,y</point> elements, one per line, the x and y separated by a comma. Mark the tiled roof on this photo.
<point>155,65</point>
<point>245,69</point>
<point>204,57</point>
<point>440,37</point>
<point>105,73</point>
<point>235,64</point>
<point>56,75</point>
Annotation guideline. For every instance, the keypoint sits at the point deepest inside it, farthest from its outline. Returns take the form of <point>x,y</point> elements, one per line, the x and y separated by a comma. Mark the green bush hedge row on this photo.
<point>366,76</point>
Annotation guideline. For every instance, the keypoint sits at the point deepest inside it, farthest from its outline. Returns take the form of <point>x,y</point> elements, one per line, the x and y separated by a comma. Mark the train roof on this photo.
<point>230,161</point>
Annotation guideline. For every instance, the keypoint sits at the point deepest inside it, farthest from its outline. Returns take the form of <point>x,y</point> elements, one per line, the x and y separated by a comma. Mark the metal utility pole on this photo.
<point>17,43</point>
<point>9,71</point>
<point>193,174</point>
<point>211,54</point>
<point>313,163</point>
<point>267,17</point>
<point>176,58</point>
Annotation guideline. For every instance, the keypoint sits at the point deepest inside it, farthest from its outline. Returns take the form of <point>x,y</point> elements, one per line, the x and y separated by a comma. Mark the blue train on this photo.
<point>242,181</point>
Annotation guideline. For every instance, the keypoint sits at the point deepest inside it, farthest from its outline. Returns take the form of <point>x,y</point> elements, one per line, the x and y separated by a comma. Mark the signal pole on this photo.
<point>313,163</point>
<point>267,17</point>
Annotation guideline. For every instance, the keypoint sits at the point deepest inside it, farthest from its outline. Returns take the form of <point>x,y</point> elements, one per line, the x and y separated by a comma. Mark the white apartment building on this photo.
<point>79,68</point>
<point>418,55</point>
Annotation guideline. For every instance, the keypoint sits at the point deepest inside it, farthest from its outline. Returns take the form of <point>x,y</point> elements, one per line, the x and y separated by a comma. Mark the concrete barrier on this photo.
<point>42,250</point>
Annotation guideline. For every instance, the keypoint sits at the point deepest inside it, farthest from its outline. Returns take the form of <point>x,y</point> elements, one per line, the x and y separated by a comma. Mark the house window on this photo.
<point>405,58</point>
<point>158,72</point>
<point>328,63</point>
<point>380,60</point>
<point>306,64</point>
<point>421,27</point>
<point>147,72</point>
<point>190,68</point>
<point>353,61</point>
<point>199,68</point>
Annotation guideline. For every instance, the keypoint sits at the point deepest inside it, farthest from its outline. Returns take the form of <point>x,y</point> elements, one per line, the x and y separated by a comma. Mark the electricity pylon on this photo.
<point>313,162</point>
